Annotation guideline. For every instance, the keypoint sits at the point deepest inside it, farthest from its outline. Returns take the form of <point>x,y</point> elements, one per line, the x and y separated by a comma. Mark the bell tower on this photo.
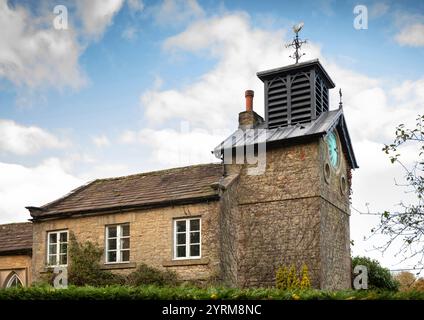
<point>296,212</point>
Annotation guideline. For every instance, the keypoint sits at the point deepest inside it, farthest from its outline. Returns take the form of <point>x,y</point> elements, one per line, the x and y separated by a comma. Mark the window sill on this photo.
<point>113,266</point>
<point>185,262</point>
<point>48,269</point>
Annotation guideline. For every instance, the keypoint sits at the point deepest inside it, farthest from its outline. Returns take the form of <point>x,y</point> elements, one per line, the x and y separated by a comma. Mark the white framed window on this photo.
<point>118,243</point>
<point>14,282</point>
<point>57,248</point>
<point>187,238</point>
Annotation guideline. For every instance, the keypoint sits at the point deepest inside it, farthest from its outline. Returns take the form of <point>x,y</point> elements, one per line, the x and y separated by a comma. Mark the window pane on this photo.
<point>194,237</point>
<point>195,250</point>
<point>111,232</point>
<point>126,230</point>
<point>181,251</point>
<point>63,248</point>
<point>52,260</point>
<point>195,225</point>
<point>52,249</point>
<point>111,256</point>
<point>63,237</point>
<point>53,237</point>
<point>112,244</point>
<point>16,283</point>
<point>63,259</point>
<point>125,243</point>
<point>181,226</point>
<point>181,238</point>
<point>125,256</point>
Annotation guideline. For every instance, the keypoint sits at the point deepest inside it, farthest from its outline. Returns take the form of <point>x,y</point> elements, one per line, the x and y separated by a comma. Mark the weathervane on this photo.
<point>296,43</point>
<point>340,95</point>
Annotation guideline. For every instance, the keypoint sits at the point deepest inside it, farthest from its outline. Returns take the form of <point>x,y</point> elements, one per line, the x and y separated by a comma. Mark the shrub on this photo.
<point>281,277</point>
<point>146,275</point>
<point>419,285</point>
<point>292,279</point>
<point>305,283</point>
<point>193,293</point>
<point>84,266</point>
<point>378,277</point>
<point>406,280</point>
<point>289,279</point>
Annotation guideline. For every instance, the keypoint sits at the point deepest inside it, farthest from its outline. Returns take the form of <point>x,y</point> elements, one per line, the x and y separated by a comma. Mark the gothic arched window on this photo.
<point>14,281</point>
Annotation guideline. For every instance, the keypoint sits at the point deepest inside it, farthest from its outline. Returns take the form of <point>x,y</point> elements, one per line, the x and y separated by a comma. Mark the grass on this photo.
<point>194,293</point>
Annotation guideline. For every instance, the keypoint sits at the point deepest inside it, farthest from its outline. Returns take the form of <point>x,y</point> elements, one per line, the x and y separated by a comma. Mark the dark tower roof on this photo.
<point>295,94</point>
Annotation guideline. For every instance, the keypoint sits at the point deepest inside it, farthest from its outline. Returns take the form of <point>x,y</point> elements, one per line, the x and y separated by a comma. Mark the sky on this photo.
<point>133,86</point>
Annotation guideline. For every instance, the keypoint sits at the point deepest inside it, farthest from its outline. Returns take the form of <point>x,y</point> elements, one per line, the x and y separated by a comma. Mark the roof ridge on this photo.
<point>155,172</point>
<point>12,223</point>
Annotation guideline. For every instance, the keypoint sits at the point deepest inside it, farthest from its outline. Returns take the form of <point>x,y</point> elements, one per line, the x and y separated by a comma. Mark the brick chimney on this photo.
<point>249,119</point>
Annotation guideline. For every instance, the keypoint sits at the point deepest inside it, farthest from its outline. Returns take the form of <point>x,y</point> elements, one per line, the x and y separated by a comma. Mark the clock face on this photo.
<point>333,151</point>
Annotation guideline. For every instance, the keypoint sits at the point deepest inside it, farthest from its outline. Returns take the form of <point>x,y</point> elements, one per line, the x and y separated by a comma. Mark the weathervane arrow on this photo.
<point>297,43</point>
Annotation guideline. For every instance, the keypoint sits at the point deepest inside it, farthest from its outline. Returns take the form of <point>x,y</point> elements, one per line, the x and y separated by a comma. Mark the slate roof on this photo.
<point>325,123</point>
<point>165,187</point>
<point>16,238</point>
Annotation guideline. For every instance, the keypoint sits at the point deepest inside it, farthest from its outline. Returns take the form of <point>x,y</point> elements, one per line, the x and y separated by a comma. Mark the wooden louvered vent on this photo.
<point>295,94</point>
<point>321,96</point>
<point>277,103</point>
<point>300,94</point>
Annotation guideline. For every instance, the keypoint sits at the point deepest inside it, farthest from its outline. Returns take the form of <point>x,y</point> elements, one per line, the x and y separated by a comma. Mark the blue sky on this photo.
<point>134,86</point>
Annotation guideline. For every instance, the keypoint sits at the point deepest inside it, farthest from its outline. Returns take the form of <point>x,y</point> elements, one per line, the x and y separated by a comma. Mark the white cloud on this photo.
<point>378,10</point>
<point>33,54</point>
<point>96,15</point>
<point>101,141</point>
<point>100,171</point>
<point>412,35</point>
<point>129,33</point>
<point>216,98</point>
<point>22,186</point>
<point>21,140</point>
<point>411,29</point>
<point>128,136</point>
<point>174,12</point>
<point>177,148</point>
<point>136,5</point>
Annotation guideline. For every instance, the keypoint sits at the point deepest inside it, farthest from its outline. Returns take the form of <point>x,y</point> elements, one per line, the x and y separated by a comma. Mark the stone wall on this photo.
<point>335,214</point>
<point>279,215</point>
<point>289,215</point>
<point>229,222</point>
<point>20,264</point>
<point>151,242</point>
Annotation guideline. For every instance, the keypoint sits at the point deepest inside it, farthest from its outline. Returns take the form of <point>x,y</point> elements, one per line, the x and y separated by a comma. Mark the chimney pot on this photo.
<point>249,100</point>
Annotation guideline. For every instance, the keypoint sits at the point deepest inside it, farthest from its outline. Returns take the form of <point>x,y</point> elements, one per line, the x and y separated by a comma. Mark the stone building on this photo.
<point>235,220</point>
<point>15,254</point>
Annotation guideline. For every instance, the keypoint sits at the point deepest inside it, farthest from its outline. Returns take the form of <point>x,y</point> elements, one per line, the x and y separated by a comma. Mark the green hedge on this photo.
<point>379,278</point>
<point>186,293</point>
